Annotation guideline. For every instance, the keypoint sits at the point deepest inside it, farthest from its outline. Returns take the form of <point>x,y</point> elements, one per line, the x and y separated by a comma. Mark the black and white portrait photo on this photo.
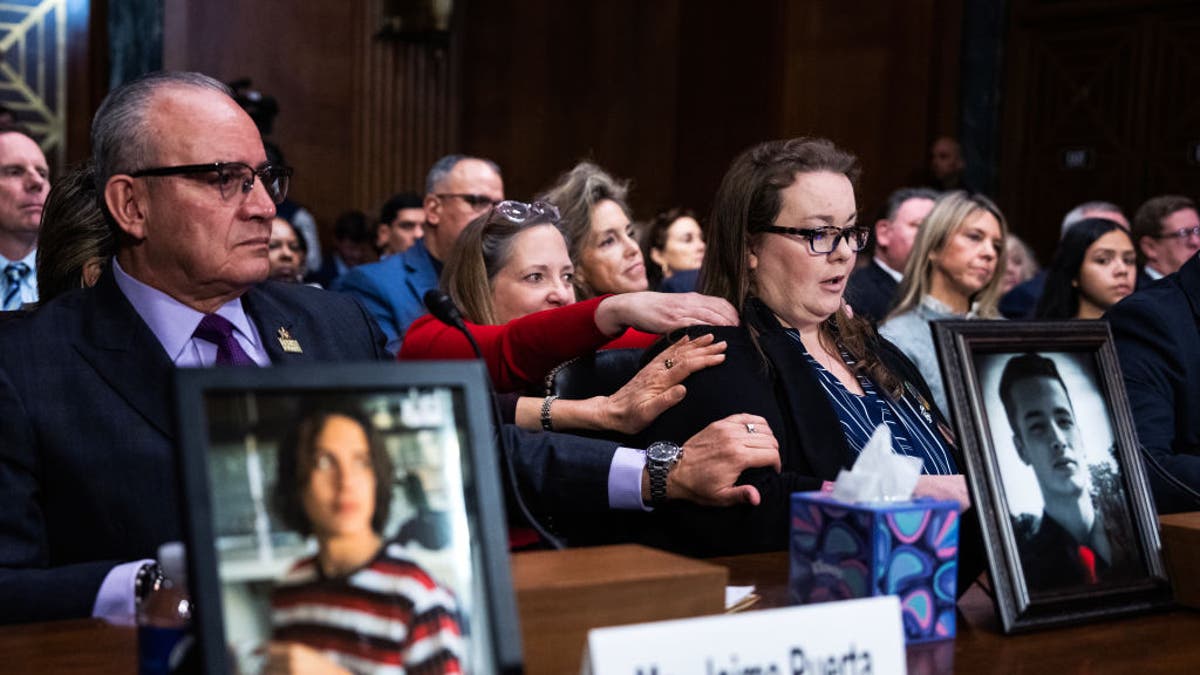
<point>1053,438</point>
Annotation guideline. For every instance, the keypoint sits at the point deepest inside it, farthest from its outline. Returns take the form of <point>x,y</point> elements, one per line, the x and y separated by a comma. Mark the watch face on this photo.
<point>662,451</point>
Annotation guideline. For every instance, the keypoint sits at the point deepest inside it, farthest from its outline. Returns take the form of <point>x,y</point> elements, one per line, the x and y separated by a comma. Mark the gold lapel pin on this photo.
<point>289,343</point>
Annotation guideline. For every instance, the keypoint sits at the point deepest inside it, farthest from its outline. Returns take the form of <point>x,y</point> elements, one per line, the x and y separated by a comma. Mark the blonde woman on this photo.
<point>955,271</point>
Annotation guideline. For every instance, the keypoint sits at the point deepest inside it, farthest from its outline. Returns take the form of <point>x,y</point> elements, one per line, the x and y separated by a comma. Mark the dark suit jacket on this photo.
<point>685,281</point>
<point>1157,332</point>
<point>393,289</point>
<point>87,466</point>
<point>870,292</point>
<point>789,396</point>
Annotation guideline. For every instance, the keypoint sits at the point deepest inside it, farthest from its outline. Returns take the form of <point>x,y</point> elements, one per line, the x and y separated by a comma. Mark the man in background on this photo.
<point>401,223</point>
<point>1166,231</point>
<point>24,184</point>
<point>871,288</point>
<point>457,190</point>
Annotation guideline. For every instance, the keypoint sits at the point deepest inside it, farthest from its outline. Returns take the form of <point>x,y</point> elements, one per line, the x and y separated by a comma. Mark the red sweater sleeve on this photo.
<point>520,352</point>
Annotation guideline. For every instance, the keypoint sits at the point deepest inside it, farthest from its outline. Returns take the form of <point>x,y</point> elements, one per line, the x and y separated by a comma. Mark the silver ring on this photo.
<point>749,428</point>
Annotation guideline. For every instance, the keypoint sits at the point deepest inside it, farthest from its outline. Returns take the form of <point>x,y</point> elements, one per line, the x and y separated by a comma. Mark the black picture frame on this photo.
<point>1037,581</point>
<point>490,624</point>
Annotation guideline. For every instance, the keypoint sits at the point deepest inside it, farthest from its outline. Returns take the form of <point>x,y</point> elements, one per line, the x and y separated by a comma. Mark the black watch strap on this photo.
<point>149,578</point>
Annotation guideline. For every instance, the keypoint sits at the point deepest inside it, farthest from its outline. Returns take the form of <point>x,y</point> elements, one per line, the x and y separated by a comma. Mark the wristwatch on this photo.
<point>149,578</point>
<point>661,456</point>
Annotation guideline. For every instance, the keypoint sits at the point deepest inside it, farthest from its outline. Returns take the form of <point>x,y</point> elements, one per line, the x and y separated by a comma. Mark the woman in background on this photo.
<point>1094,268</point>
<point>75,242</point>
<point>359,605</point>
<point>511,276</point>
<point>955,271</point>
<point>596,222</point>
<point>1020,264</point>
<point>674,244</point>
<point>286,252</point>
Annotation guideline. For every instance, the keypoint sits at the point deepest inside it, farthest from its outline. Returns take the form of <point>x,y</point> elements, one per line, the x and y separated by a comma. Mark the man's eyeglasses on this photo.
<point>477,202</point>
<point>1180,234</point>
<point>232,178</point>
<point>525,214</point>
<point>822,240</point>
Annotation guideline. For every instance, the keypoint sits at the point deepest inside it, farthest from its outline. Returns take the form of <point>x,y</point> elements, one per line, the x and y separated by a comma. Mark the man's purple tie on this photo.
<point>217,330</point>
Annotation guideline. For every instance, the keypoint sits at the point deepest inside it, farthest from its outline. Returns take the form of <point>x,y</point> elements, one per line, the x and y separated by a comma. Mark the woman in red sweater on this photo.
<point>511,276</point>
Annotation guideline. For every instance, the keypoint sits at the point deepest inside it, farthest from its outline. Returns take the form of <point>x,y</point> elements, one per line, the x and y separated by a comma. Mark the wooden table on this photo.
<point>1167,642</point>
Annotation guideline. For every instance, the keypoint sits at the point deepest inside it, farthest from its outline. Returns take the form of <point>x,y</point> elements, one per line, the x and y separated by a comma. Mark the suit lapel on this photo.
<point>276,326</point>
<point>126,354</point>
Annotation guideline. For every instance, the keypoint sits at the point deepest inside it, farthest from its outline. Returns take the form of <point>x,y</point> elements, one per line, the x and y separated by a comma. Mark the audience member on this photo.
<point>947,168</point>
<point>457,190</point>
<point>674,243</point>
<point>76,242</point>
<point>360,603</point>
<point>1020,265</point>
<point>1166,230</point>
<point>1157,333</point>
<point>24,183</point>
<point>872,287</point>
<point>1020,301</point>
<point>511,267</point>
<point>600,236</point>
<point>353,245</point>
<point>286,252</point>
<point>954,272</point>
<point>401,224</point>
<point>85,382</point>
<point>1093,269</point>
<point>782,241</point>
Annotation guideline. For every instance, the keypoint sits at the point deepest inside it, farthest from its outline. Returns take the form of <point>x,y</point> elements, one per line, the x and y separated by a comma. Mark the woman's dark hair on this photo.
<point>1060,299</point>
<point>654,236</point>
<point>74,231</point>
<point>748,201</point>
<point>297,457</point>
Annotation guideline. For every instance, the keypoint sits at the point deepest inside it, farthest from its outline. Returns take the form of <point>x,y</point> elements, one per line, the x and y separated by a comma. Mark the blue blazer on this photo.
<point>393,290</point>
<point>87,466</point>
<point>1157,332</point>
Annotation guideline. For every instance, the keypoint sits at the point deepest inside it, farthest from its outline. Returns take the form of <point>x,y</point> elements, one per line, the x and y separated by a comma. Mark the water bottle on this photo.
<point>164,617</point>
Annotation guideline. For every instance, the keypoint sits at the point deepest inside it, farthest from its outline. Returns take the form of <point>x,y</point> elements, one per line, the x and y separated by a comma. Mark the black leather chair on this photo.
<point>598,374</point>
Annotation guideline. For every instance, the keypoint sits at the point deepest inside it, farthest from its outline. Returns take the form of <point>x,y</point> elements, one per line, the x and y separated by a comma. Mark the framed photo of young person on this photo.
<point>346,515</point>
<point>1056,476</point>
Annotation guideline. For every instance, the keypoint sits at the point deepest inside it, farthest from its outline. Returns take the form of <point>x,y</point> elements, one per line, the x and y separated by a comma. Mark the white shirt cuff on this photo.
<point>114,600</point>
<point>625,480</point>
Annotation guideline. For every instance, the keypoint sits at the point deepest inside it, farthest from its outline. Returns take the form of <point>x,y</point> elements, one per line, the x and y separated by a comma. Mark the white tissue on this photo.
<point>878,474</point>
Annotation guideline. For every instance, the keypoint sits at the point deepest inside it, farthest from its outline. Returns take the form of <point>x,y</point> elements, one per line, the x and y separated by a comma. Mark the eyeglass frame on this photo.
<point>285,173</point>
<point>844,233</point>
<point>1180,235</point>
<point>470,198</point>
<point>539,213</point>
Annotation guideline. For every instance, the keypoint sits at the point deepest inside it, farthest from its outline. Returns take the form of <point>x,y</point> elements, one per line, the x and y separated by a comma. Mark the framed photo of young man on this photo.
<point>346,517</point>
<point>1055,473</point>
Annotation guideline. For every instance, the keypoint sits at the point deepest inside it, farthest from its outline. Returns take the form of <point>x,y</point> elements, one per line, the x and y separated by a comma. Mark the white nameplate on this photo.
<point>844,638</point>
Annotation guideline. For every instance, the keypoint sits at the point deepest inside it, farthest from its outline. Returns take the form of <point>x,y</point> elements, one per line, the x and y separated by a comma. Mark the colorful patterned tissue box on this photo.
<point>908,549</point>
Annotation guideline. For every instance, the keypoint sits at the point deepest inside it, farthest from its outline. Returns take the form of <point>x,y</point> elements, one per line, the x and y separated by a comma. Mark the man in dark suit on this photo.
<point>871,287</point>
<point>457,190</point>
<point>1157,332</point>
<point>87,477</point>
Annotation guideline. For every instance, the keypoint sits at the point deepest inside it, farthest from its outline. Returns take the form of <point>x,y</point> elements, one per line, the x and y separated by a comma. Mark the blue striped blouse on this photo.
<point>913,433</point>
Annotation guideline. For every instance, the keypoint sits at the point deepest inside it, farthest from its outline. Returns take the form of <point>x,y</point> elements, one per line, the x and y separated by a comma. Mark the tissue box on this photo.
<point>906,548</point>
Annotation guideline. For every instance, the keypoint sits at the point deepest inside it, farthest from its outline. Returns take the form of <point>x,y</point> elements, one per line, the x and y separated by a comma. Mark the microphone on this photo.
<point>442,307</point>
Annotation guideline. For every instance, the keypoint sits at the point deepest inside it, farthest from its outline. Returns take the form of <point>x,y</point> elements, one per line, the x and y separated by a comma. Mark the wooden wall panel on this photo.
<point>1114,78</point>
<point>360,118</point>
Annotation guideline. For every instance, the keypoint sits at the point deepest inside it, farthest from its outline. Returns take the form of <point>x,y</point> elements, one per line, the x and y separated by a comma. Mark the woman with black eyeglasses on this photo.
<point>784,235</point>
<point>955,271</point>
<point>512,278</point>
